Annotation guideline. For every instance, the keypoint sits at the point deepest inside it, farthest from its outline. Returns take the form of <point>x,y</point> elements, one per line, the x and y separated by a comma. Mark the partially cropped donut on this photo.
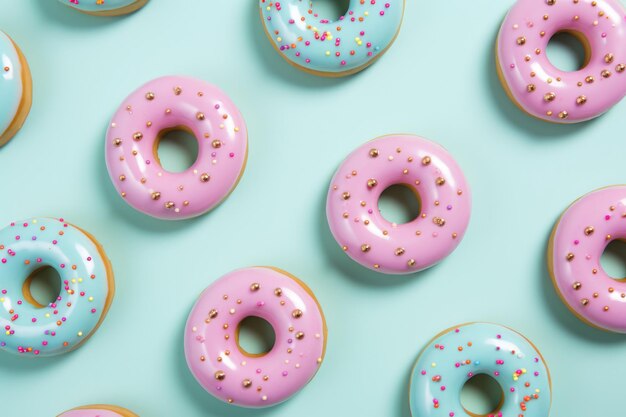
<point>430,172</point>
<point>578,240</point>
<point>15,88</point>
<point>229,373</point>
<point>87,287</point>
<point>321,46</point>
<point>458,354</point>
<point>106,7</point>
<point>156,108</point>
<point>541,89</point>
<point>99,410</point>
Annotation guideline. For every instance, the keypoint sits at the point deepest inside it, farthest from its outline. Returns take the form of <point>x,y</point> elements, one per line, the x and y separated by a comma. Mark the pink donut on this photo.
<point>576,245</point>
<point>424,167</point>
<point>229,373</point>
<point>163,105</point>
<point>546,92</point>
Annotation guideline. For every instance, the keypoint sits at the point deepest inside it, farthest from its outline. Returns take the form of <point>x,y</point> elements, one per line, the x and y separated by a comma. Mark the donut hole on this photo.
<point>481,396</point>
<point>613,260</point>
<point>42,287</point>
<point>568,50</point>
<point>331,10</point>
<point>399,204</point>
<point>176,149</point>
<point>255,336</point>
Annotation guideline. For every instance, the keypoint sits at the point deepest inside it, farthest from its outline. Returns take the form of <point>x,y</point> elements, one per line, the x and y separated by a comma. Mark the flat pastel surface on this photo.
<point>438,81</point>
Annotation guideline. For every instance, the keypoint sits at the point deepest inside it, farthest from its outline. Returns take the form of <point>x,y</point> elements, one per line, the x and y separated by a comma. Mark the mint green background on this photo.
<point>438,80</point>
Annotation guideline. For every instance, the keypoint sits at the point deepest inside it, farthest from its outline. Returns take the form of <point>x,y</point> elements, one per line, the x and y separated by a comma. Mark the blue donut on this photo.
<point>458,354</point>
<point>87,287</point>
<point>332,48</point>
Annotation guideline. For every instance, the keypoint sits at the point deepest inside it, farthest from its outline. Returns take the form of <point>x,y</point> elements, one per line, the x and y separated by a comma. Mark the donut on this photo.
<point>425,168</point>
<point>153,110</point>
<point>542,90</point>
<point>86,292</point>
<point>99,410</point>
<point>458,354</point>
<point>106,7</point>
<point>576,244</point>
<point>228,372</point>
<point>330,48</point>
<point>15,89</point>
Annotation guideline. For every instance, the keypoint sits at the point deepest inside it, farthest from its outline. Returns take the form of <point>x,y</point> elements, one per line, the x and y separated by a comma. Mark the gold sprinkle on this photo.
<point>577,285</point>
<point>345,196</point>
<point>246,383</point>
<point>138,136</point>
<point>371,183</point>
<point>426,160</point>
<point>204,177</point>
<point>122,177</point>
<point>373,153</point>
<point>606,74</point>
<point>411,262</point>
<point>220,375</point>
<point>530,88</point>
<point>563,115</point>
<point>300,335</point>
<point>200,116</point>
<point>365,248</point>
<point>440,181</point>
<point>548,97</point>
<point>584,301</point>
<point>296,314</point>
<point>581,100</point>
<point>399,251</point>
<point>117,142</point>
<point>589,230</point>
<point>589,79</point>
<point>608,58</point>
<point>606,308</point>
<point>178,90</point>
<point>570,257</point>
<point>521,40</point>
<point>150,96</point>
<point>155,195</point>
<point>170,205</point>
<point>255,287</point>
<point>213,314</point>
<point>620,68</point>
<point>278,292</point>
<point>439,221</point>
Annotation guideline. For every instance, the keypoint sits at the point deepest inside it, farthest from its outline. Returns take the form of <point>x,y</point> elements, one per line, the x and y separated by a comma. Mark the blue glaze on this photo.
<point>29,245</point>
<point>11,85</point>
<point>96,6</point>
<point>332,47</point>
<point>490,349</point>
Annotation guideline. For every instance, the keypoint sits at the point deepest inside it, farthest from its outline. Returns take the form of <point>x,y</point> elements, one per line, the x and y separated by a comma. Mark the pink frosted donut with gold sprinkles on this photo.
<point>156,108</point>
<point>541,89</point>
<point>576,245</point>
<point>430,172</point>
<point>226,370</point>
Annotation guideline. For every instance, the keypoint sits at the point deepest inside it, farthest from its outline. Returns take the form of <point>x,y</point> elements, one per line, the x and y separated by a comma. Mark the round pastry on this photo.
<point>544,91</point>
<point>457,355</point>
<point>15,89</point>
<point>231,374</point>
<point>430,172</point>
<point>105,7</point>
<point>324,47</point>
<point>99,410</point>
<point>86,292</point>
<point>156,108</point>
<point>576,245</point>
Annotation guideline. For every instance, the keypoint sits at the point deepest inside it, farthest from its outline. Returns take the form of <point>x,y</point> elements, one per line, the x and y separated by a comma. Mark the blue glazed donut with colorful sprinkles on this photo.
<point>87,287</point>
<point>105,7</point>
<point>332,48</point>
<point>458,354</point>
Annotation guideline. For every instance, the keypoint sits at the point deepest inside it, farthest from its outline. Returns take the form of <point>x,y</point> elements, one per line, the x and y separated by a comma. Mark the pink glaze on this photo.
<point>578,241</point>
<point>219,364</point>
<point>90,413</point>
<point>182,103</point>
<point>372,241</point>
<point>547,92</point>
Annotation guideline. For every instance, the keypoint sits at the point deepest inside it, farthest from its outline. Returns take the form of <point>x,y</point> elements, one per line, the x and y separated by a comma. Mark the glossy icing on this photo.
<point>100,410</point>
<point>215,358</point>
<point>100,6</point>
<point>427,169</point>
<point>91,413</point>
<point>11,82</point>
<point>458,354</point>
<point>171,103</point>
<point>576,246</point>
<point>547,92</point>
<point>86,289</point>
<point>317,44</point>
